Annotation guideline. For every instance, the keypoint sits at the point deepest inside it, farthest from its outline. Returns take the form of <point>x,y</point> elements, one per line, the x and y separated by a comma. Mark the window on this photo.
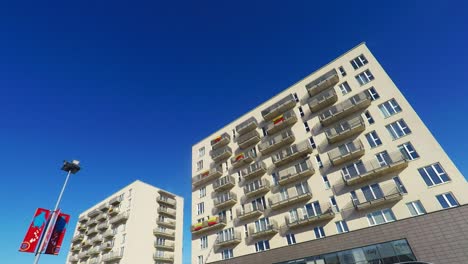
<point>325,180</point>
<point>123,238</point>
<point>262,245</point>
<point>341,226</point>
<point>369,118</point>
<point>306,126</point>
<point>202,191</point>
<point>319,232</point>
<point>416,208</point>
<point>353,170</point>
<point>408,151</point>
<point>372,192</point>
<point>302,188</point>
<point>399,184</point>
<point>383,158</point>
<point>204,242</point>
<point>433,174</point>
<point>199,165</point>
<point>227,254</point>
<point>342,71</point>
<point>373,94</point>
<point>333,204</point>
<point>447,200</point>
<point>291,239</point>
<point>264,131</point>
<point>380,217</point>
<point>344,88</point>
<point>312,143</point>
<point>318,161</point>
<point>359,61</point>
<point>262,224</point>
<point>301,112</point>
<point>233,133</point>
<point>201,152</point>
<point>295,97</point>
<point>200,208</point>
<point>398,129</point>
<point>373,139</point>
<point>200,260</point>
<point>364,77</point>
<point>389,108</point>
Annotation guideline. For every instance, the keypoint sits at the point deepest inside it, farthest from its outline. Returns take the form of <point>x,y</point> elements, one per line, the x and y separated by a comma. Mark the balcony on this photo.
<point>291,153</point>
<point>116,200</point>
<point>167,211</point>
<point>224,183</point>
<point>166,201</point>
<point>228,240</point>
<point>290,197</point>
<point>74,259</point>
<point>371,169</point>
<point>78,238</point>
<point>92,222</point>
<point>112,256</point>
<point>345,129</point>
<point>106,246</point>
<point>86,244</point>
<point>325,81</point>
<point>108,234</point>
<point>81,227</point>
<point>281,122</point>
<point>224,200</point>
<point>101,217</point>
<point>247,126</point>
<point>168,246</point>
<point>83,255</point>
<point>304,219</point>
<point>264,231</point>
<point>206,176</point>
<point>94,261</point>
<point>113,211</point>
<point>104,207</point>
<point>83,219</point>
<point>221,154</point>
<point>168,258</point>
<point>344,109</point>
<point>249,212</point>
<point>242,159</point>
<point>94,213</point>
<point>220,141</point>
<point>255,170</point>
<point>166,223</point>
<point>215,222</point>
<point>346,152</point>
<point>322,100</point>
<point>103,226</point>
<point>163,233</point>
<point>278,108</point>
<point>122,217</point>
<point>93,251</point>
<point>96,240</point>
<point>248,139</point>
<point>75,248</point>
<point>389,192</point>
<point>92,231</point>
<point>298,172</point>
<point>256,188</point>
<point>269,144</point>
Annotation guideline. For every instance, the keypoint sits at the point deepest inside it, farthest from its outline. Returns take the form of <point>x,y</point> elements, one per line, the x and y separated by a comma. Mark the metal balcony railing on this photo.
<point>224,200</point>
<point>302,218</point>
<point>263,230</point>
<point>83,219</point>
<point>83,255</point>
<point>74,259</point>
<point>104,207</point>
<point>344,109</point>
<point>345,129</point>
<point>221,154</point>
<point>295,173</point>
<point>78,238</point>
<point>291,153</point>
<point>166,201</point>
<point>163,233</point>
<point>387,192</point>
<point>113,211</point>
<point>92,231</point>
<point>109,233</point>
<point>103,226</point>
<point>75,248</point>
<point>227,240</point>
<point>255,170</point>
<point>112,256</point>
<point>213,222</point>
<point>346,152</point>
<point>242,159</point>
<point>167,211</point>
<point>116,200</point>
<point>220,141</point>
<point>206,176</point>
<point>325,81</point>
<point>290,197</point>
<point>163,257</point>
<point>249,211</point>
<point>93,251</point>
<point>248,139</point>
<point>257,188</point>
<point>96,240</point>
<point>106,246</point>
<point>279,107</point>
<point>281,122</point>
<point>119,218</point>
<point>166,223</point>
<point>224,183</point>
<point>94,213</point>
<point>270,144</point>
<point>166,245</point>
<point>322,100</point>
<point>246,126</point>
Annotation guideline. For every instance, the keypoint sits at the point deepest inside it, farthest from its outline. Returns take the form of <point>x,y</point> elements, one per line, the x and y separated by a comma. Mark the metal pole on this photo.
<point>38,254</point>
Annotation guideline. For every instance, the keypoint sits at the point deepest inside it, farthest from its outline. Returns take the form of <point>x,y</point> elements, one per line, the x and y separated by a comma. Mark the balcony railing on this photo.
<point>303,218</point>
<point>221,154</point>
<point>166,201</point>
<point>97,239</point>
<point>78,238</point>
<point>325,81</point>
<point>220,141</point>
<point>74,259</point>
<point>388,192</point>
<point>83,255</point>
<point>94,261</point>
<point>94,213</point>
<point>257,188</point>
<point>281,106</point>
<point>83,219</point>
<point>165,257</point>
<point>92,222</point>
<point>101,217</point>
<point>255,170</point>
<point>163,233</point>
<point>269,144</point>
<point>246,140</point>
<point>295,173</point>
<point>344,109</point>
<point>322,100</point>
<point>373,168</point>
<point>103,226</point>
<point>109,233</point>
<point>112,256</point>
<point>119,218</point>
<point>291,153</point>
<point>347,152</point>
<point>290,197</point>
<point>224,183</point>
<point>106,246</point>
<point>75,248</point>
<point>167,211</point>
<point>116,200</point>
<point>214,222</point>
<point>113,211</point>
<point>93,251</point>
<point>242,159</point>
<point>81,227</point>
<point>206,176</point>
<point>92,231</point>
<point>225,200</point>
<point>104,207</point>
<point>168,246</point>
<point>246,126</point>
<point>228,240</point>
<point>166,223</point>
<point>265,230</point>
<point>345,129</point>
<point>249,211</point>
<point>281,122</point>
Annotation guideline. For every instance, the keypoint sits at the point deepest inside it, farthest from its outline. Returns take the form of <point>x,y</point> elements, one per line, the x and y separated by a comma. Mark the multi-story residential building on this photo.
<point>337,168</point>
<point>138,224</point>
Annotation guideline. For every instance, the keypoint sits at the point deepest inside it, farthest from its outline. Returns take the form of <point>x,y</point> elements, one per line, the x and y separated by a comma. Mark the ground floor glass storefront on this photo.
<point>383,253</point>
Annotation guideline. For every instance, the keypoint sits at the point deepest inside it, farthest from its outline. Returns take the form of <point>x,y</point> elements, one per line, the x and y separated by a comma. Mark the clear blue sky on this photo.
<point>128,87</point>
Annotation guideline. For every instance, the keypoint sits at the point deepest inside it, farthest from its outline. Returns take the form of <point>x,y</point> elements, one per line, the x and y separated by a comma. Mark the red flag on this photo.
<point>58,233</point>
<point>35,230</point>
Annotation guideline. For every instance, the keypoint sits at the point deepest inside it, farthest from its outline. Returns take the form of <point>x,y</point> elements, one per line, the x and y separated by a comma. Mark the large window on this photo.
<point>204,242</point>
<point>380,217</point>
<point>262,245</point>
<point>398,129</point>
<point>359,61</point>
<point>433,174</point>
<point>416,208</point>
<point>447,200</point>
<point>353,170</point>
<point>373,139</point>
<point>389,108</point>
<point>200,208</point>
<point>408,151</point>
<point>364,77</point>
<point>262,224</point>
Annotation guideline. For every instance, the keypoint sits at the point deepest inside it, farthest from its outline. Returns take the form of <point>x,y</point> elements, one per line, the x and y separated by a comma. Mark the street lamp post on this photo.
<point>71,168</point>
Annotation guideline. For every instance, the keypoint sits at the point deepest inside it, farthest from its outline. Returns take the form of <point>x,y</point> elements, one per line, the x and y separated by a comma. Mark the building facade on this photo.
<point>138,224</point>
<point>337,154</point>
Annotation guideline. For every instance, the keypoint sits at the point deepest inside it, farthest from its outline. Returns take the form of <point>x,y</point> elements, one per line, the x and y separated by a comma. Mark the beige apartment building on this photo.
<point>138,224</point>
<point>337,168</point>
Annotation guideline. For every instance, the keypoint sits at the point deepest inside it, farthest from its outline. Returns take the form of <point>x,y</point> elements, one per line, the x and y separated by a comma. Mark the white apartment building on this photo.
<point>319,172</point>
<point>138,224</point>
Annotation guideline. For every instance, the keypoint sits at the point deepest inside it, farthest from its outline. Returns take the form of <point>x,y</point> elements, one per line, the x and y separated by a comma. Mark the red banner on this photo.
<point>35,230</point>
<point>58,233</point>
